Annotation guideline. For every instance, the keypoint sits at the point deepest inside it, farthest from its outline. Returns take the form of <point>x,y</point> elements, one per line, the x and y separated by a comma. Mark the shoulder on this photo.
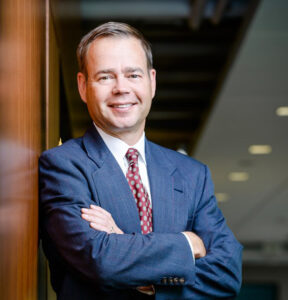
<point>70,160</point>
<point>195,173</point>
<point>176,158</point>
<point>70,148</point>
<point>69,155</point>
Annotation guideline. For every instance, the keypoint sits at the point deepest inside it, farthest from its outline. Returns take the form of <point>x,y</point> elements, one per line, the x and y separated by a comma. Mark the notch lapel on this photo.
<point>166,189</point>
<point>112,190</point>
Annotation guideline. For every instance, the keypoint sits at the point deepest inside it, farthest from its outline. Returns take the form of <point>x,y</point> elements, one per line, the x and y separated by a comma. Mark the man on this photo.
<point>121,217</point>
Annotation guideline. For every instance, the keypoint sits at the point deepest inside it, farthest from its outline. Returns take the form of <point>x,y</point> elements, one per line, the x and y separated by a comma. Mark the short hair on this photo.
<point>111,29</point>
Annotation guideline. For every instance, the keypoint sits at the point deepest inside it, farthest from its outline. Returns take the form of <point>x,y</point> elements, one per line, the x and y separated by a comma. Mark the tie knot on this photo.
<point>132,155</point>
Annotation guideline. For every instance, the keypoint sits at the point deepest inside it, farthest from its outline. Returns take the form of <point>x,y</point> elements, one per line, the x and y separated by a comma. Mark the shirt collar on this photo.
<point>119,148</point>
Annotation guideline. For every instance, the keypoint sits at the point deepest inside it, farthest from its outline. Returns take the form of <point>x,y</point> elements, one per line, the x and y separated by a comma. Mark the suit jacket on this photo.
<point>89,264</point>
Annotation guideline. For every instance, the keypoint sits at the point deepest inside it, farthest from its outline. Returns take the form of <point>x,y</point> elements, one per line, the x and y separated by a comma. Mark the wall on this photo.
<point>23,135</point>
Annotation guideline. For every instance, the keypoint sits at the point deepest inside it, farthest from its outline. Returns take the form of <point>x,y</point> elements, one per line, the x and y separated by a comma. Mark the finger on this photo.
<point>88,217</point>
<point>100,209</point>
<point>93,215</point>
<point>96,213</point>
<point>95,219</point>
<point>100,217</point>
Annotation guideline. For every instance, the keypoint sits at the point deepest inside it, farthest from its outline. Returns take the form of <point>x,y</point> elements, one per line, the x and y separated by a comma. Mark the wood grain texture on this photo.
<point>21,93</point>
<point>52,97</point>
<point>52,101</point>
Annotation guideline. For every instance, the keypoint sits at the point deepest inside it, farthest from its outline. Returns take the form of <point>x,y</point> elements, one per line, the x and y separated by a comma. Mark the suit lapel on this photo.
<point>114,194</point>
<point>112,190</point>
<point>166,189</point>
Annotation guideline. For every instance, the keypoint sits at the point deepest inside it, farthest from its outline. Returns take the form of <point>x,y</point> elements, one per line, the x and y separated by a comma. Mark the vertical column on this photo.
<point>52,67</point>
<point>21,93</point>
<point>52,100</point>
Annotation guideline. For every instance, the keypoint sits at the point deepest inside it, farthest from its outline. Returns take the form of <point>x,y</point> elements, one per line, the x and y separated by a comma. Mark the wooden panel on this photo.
<point>21,91</point>
<point>52,100</point>
<point>52,83</point>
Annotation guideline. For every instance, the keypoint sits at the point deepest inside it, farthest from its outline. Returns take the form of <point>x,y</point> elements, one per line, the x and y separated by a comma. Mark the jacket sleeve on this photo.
<point>130,260</point>
<point>219,273</point>
<point>110,261</point>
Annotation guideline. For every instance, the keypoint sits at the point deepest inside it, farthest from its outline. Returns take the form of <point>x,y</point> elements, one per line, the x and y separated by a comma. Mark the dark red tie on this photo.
<point>139,192</point>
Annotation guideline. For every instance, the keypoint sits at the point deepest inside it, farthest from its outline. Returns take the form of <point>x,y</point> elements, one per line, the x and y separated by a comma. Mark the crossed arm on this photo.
<point>92,252</point>
<point>101,220</point>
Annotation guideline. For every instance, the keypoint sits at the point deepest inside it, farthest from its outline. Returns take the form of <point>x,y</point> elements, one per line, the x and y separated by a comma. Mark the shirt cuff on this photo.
<point>191,246</point>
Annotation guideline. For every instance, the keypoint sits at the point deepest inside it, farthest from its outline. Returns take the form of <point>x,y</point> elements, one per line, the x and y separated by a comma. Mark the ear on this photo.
<point>81,80</point>
<point>152,74</point>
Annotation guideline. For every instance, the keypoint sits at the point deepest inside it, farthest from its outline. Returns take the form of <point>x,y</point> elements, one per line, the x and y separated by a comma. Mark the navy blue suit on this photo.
<point>89,264</point>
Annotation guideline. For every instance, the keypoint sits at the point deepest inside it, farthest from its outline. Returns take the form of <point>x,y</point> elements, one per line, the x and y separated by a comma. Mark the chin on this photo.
<point>125,125</point>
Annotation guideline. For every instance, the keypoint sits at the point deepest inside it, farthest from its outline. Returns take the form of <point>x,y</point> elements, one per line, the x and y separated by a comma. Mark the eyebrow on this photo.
<point>105,71</point>
<point>131,70</point>
<point>126,70</point>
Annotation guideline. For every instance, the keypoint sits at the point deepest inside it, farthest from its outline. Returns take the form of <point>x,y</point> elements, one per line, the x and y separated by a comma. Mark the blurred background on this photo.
<point>222,97</point>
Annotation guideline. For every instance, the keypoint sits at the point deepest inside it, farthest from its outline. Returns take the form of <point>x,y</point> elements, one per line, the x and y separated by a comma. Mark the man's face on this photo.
<point>119,88</point>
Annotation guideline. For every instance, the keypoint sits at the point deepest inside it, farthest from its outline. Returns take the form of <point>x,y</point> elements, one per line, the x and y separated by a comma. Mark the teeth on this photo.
<point>122,105</point>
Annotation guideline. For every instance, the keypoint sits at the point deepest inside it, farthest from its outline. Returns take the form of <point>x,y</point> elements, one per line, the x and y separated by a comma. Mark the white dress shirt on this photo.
<point>119,149</point>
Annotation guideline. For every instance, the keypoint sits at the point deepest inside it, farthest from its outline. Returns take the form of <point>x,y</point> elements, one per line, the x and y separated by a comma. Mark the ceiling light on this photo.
<point>182,150</point>
<point>222,197</point>
<point>260,149</point>
<point>238,176</point>
<point>282,111</point>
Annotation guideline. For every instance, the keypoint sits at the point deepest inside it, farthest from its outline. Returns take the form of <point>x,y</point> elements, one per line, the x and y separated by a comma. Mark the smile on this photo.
<point>122,105</point>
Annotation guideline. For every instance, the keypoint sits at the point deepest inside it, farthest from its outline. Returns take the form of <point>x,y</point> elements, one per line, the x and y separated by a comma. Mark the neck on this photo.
<point>128,137</point>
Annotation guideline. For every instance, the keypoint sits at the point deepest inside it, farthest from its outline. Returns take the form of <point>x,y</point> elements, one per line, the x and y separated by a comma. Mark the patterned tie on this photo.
<point>139,192</point>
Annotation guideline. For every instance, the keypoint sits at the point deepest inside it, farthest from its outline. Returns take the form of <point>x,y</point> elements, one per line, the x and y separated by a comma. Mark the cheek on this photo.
<point>96,97</point>
<point>149,90</point>
<point>145,92</point>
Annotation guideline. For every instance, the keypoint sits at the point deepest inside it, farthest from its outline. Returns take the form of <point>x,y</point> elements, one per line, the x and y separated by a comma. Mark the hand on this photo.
<point>100,219</point>
<point>148,290</point>
<point>197,243</point>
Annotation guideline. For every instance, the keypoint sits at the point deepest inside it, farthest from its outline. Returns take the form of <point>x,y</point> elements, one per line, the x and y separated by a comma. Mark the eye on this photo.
<point>134,76</point>
<point>105,77</point>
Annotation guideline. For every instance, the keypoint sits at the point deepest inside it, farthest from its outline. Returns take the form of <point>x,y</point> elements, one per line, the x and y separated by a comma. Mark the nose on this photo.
<point>121,86</point>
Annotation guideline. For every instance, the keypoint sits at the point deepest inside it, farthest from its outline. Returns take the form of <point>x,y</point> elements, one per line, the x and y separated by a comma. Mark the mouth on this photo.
<point>122,106</point>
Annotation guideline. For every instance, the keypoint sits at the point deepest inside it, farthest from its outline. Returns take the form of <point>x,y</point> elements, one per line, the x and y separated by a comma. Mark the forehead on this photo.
<point>113,50</point>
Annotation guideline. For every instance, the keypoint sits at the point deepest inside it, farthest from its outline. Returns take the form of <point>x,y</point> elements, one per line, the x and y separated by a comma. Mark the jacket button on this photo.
<point>176,280</point>
<point>164,280</point>
<point>182,280</point>
<point>171,281</point>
